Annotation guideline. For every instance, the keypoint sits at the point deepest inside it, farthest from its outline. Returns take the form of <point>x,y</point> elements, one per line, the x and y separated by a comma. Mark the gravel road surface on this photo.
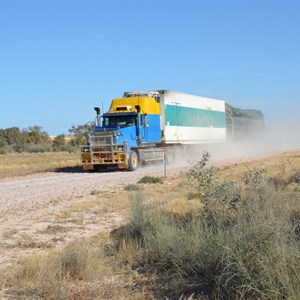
<point>28,193</point>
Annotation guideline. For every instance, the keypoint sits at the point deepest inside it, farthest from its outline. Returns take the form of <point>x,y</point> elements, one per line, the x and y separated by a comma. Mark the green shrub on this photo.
<point>132,187</point>
<point>259,245</point>
<point>254,177</point>
<point>6,149</point>
<point>242,245</point>
<point>150,179</point>
<point>200,178</point>
<point>38,148</point>
<point>136,227</point>
<point>295,177</point>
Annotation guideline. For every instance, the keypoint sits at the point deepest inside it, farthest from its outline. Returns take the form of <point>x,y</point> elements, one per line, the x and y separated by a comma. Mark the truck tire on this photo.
<point>133,161</point>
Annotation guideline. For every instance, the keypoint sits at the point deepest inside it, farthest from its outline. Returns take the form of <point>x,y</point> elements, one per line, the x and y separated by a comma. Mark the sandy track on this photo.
<point>36,191</point>
<point>26,200</point>
<point>43,190</point>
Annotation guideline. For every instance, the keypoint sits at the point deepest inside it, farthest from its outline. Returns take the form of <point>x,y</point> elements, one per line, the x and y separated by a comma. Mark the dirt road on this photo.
<point>28,193</point>
<point>35,209</point>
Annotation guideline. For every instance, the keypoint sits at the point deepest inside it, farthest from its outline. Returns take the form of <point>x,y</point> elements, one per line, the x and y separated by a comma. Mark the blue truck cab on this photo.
<point>127,135</point>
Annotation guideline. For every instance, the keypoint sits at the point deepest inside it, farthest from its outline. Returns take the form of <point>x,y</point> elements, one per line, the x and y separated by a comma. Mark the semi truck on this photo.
<point>147,126</point>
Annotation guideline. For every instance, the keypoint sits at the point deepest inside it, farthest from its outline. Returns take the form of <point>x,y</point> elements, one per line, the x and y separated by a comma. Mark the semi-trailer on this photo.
<point>148,126</point>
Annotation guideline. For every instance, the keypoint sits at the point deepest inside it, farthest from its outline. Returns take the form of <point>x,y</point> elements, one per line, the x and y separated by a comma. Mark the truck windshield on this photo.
<point>122,121</point>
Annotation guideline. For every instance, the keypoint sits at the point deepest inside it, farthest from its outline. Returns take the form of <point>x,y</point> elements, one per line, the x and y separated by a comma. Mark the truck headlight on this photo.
<point>119,133</point>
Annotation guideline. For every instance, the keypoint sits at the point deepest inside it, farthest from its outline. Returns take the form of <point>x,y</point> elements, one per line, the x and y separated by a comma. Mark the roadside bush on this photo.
<point>260,251</point>
<point>295,177</point>
<point>201,178</point>
<point>254,177</point>
<point>137,225</point>
<point>150,179</point>
<point>20,147</point>
<point>70,273</point>
<point>132,187</point>
<point>7,149</point>
<point>242,244</point>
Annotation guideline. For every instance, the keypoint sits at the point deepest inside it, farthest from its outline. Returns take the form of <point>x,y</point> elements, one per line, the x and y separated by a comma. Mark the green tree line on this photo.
<point>35,139</point>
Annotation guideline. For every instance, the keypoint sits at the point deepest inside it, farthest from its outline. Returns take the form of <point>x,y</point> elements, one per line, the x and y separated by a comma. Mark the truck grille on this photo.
<point>103,151</point>
<point>101,143</point>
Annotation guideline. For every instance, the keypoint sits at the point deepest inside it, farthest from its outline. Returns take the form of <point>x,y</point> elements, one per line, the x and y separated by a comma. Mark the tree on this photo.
<point>12,135</point>
<point>81,133</point>
<point>3,140</point>
<point>37,136</point>
<point>59,141</point>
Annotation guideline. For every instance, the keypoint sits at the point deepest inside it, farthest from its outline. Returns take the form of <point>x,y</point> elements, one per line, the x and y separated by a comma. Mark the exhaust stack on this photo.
<point>98,119</point>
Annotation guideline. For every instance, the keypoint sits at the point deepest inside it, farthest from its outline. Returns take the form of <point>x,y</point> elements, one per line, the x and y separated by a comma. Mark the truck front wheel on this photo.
<point>133,161</point>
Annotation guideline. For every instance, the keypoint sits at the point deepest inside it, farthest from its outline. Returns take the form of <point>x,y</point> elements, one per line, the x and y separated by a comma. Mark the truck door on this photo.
<point>143,129</point>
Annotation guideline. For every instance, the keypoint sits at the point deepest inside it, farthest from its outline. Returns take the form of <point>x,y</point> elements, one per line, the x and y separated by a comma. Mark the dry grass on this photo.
<point>82,270</point>
<point>8,234</point>
<point>182,207</point>
<point>98,268</point>
<point>276,165</point>
<point>15,164</point>
<point>28,242</point>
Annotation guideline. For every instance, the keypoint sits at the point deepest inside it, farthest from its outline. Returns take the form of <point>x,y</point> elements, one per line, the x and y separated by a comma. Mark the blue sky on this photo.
<point>59,59</point>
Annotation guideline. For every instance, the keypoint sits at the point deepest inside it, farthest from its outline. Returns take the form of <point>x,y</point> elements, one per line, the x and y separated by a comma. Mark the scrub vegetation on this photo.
<point>35,140</point>
<point>31,150</point>
<point>211,233</point>
<point>242,243</point>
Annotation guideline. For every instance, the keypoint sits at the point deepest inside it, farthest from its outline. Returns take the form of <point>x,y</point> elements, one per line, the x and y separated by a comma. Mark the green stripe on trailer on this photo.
<point>194,117</point>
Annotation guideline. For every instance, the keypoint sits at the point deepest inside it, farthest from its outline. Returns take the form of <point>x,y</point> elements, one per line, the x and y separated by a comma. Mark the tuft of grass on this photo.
<point>95,192</point>
<point>54,229</point>
<point>132,188</point>
<point>150,179</point>
<point>63,215</point>
<point>9,233</point>
<point>28,242</point>
<point>82,270</point>
<point>183,208</point>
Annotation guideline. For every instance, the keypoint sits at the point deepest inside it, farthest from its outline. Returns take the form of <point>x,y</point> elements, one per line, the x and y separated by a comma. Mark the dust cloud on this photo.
<point>279,136</point>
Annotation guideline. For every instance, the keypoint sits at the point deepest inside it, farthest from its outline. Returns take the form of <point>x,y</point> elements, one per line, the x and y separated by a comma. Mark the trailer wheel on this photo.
<point>133,161</point>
